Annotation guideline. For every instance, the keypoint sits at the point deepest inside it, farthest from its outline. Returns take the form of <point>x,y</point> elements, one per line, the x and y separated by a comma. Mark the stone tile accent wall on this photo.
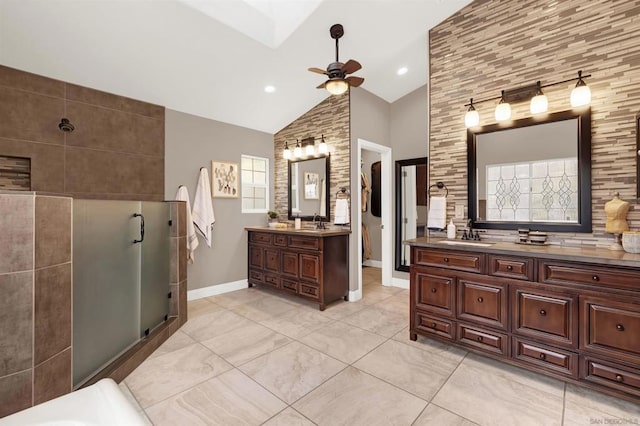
<point>115,152</point>
<point>501,44</point>
<point>331,118</point>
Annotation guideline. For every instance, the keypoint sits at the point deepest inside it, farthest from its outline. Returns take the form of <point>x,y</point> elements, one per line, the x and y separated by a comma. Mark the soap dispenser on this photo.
<point>451,230</point>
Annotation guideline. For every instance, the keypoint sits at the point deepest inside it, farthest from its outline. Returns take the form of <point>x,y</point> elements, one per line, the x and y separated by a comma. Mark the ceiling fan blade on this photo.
<point>354,81</point>
<point>351,66</point>
<point>322,85</point>
<point>318,70</point>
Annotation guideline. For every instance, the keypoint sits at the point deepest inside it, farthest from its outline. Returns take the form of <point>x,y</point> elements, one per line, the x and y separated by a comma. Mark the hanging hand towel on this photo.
<point>192,238</point>
<point>341,212</point>
<point>437,218</point>
<point>202,212</point>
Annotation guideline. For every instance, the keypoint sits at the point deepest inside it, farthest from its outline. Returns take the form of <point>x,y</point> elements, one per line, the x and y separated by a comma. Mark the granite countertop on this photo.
<point>595,255</point>
<point>330,231</point>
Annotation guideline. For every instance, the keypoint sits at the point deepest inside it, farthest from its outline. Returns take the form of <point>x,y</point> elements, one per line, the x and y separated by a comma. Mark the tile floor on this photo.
<point>253,357</point>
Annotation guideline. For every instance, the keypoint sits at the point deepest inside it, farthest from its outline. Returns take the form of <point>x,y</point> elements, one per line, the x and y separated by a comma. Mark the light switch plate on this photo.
<point>459,211</point>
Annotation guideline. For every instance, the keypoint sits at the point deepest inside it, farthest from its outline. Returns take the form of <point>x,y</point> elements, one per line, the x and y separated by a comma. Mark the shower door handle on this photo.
<point>141,227</point>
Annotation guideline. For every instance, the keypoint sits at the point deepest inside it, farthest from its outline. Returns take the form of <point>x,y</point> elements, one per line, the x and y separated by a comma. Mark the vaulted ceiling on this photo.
<point>213,58</point>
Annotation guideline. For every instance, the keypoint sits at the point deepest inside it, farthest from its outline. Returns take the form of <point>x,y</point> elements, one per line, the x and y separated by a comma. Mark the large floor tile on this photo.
<point>419,372</point>
<point>582,405</point>
<point>343,341</point>
<point>214,324</point>
<point>371,296</point>
<point>246,343</point>
<point>341,309</point>
<point>298,322</point>
<point>264,308</point>
<point>356,398</point>
<point>292,371</point>
<point>134,403</point>
<point>482,392</point>
<point>434,415</point>
<point>379,321</point>
<point>238,297</point>
<point>198,307</point>
<point>177,340</point>
<point>163,376</point>
<point>289,417</point>
<point>430,345</point>
<point>229,399</point>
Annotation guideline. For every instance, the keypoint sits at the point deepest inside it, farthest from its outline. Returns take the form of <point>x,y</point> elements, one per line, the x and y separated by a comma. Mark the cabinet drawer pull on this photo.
<point>433,290</point>
<point>480,300</point>
<point>543,356</point>
<point>619,378</point>
<point>433,325</point>
<point>619,327</point>
<point>595,278</point>
<point>509,268</point>
<point>543,312</point>
<point>479,338</point>
<point>445,260</point>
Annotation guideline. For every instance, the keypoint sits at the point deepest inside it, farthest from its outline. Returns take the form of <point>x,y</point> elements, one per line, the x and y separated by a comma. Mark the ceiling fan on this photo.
<point>337,71</point>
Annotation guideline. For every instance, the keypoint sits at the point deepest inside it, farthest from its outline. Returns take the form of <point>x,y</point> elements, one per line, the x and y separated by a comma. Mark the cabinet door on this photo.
<point>482,302</point>
<point>290,264</point>
<point>310,267</point>
<point>434,293</point>
<point>256,257</point>
<point>272,260</point>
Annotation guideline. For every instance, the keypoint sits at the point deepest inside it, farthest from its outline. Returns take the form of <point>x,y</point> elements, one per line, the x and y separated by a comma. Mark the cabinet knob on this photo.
<point>433,325</point>
<point>619,378</point>
<point>433,290</point>
<point>479,338</point>
<point>509,268</point>
<point>480,300</point>
<point>543,356</point>
<point>595,278</point>
<point>445,260</point>
<point>619,327</point>
<point>543,312</point>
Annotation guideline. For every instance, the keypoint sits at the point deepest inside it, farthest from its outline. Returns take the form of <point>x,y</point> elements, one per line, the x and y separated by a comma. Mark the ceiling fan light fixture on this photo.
<point>337,86</point>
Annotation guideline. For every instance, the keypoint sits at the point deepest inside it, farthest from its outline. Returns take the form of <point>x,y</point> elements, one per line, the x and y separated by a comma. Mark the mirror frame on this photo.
<point>398,237</point>
<point>584,172</point>
<point>327,188</point>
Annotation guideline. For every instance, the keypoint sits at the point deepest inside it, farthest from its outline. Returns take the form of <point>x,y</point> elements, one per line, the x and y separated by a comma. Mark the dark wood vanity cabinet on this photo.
<point>578,320</point>
<point>313,265</point>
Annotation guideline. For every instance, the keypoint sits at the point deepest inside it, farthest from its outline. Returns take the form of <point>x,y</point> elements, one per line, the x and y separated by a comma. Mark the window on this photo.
<point>255,184</point>
<point>295,195</point>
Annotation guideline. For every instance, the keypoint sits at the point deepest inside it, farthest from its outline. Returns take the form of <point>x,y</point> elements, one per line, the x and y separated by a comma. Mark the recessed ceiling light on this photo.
<point>402,71</point>
<point>269,89</point>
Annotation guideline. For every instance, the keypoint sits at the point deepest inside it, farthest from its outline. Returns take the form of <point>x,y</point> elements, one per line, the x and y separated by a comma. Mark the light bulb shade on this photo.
<point>503,111</point>
<point>539,104</point>
<point>471,118</point>
<point>336,87</point>
<point>286,154</point>
<point>310,150</point>
<point>323,148</point>
<point>580,95</point>
<point>297,152</point>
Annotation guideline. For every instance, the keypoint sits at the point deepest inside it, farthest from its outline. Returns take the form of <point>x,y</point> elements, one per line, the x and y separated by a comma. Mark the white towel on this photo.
<point>202,213</point>
<point>192,238</point>
<point>323,199</point>
<point>437,218</point>
<point>341,212</point>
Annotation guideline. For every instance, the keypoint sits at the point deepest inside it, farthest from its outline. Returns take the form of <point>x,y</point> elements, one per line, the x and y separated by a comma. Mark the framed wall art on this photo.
<point>224,179</point>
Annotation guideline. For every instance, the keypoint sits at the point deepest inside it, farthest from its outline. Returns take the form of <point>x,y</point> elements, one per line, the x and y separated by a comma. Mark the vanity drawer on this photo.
<point>485,340</point>
<point>261,237</point>
<point>256,276</point>
<point>623,378</point>
<point>290,286</point>
<point>309,291</point>
<point>482,303</point>
<point>545,315</point>
<point>434,293</point>
<point>568,273</point>
<point>611,326</point>
<point>434,325</point>
<point>511,267</point>
<point>553,359</point>
<point>472,262</point>
<point>302,242</point>
<point>272,280</point>
<point>280,240</point>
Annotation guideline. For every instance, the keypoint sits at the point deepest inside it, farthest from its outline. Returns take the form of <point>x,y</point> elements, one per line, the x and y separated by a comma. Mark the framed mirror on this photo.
<point>533,173</point>
<point>411,206</point>
<point>308,184</point>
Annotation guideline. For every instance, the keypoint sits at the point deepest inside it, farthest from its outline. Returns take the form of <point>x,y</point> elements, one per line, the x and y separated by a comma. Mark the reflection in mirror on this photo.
<point>411,206</point>
<point>309,188</point>
<point>533,174</point>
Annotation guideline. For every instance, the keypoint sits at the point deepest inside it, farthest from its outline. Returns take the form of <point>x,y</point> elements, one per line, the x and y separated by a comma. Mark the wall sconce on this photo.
<point>297,151</point>
<point>580,96</point>
<point>323,148</point>
<point>286,154</point>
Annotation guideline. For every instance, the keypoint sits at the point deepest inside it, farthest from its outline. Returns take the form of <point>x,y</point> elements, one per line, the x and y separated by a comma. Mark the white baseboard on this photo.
<point>213,290</point>
<point>400,282</point>
<point>374,263</point>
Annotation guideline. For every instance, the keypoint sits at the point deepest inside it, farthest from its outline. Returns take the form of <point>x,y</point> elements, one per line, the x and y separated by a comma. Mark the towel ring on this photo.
<point>342,193</point>
<point>439,185</point>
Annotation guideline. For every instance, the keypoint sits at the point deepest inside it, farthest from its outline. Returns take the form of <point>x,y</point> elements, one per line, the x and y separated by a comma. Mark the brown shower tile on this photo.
<point>110,196</point>
<point>173,263</point>
<point>91,172</point>
<point>53,231</point>
<point>16,317</point>
<point>52,378</point>
<point>17,79</point>
<point>30,116</point>
<point>173,302</point>
<point>182,218</point>
<point>174,218</point>
<point>182,302</point>
<point>108,100</point>
<point>52,311</point>
<point>16,228</point>
<point>113,130</point>
<point>47,162</point>
<point>182,258</point>
<point>15,392</point>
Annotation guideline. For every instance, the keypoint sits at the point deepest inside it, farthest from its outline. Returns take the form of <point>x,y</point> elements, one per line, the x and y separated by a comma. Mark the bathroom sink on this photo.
<point>466,243</point>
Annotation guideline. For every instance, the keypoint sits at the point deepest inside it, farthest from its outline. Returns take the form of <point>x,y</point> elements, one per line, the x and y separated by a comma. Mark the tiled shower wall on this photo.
<point>331,118</point>
<point>115,152</point>
<point>492,45</point>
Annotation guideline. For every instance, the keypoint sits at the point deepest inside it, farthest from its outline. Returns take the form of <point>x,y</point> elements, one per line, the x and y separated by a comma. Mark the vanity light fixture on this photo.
<point>310,150</point>
<point>297,151</point>
<point>580,97</point>
<point>305,147</point>
<point>286,154</point>
<point>323,148</point>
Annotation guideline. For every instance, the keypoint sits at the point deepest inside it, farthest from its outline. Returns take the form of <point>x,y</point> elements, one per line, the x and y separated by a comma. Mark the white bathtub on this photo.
<point>102,403</point>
